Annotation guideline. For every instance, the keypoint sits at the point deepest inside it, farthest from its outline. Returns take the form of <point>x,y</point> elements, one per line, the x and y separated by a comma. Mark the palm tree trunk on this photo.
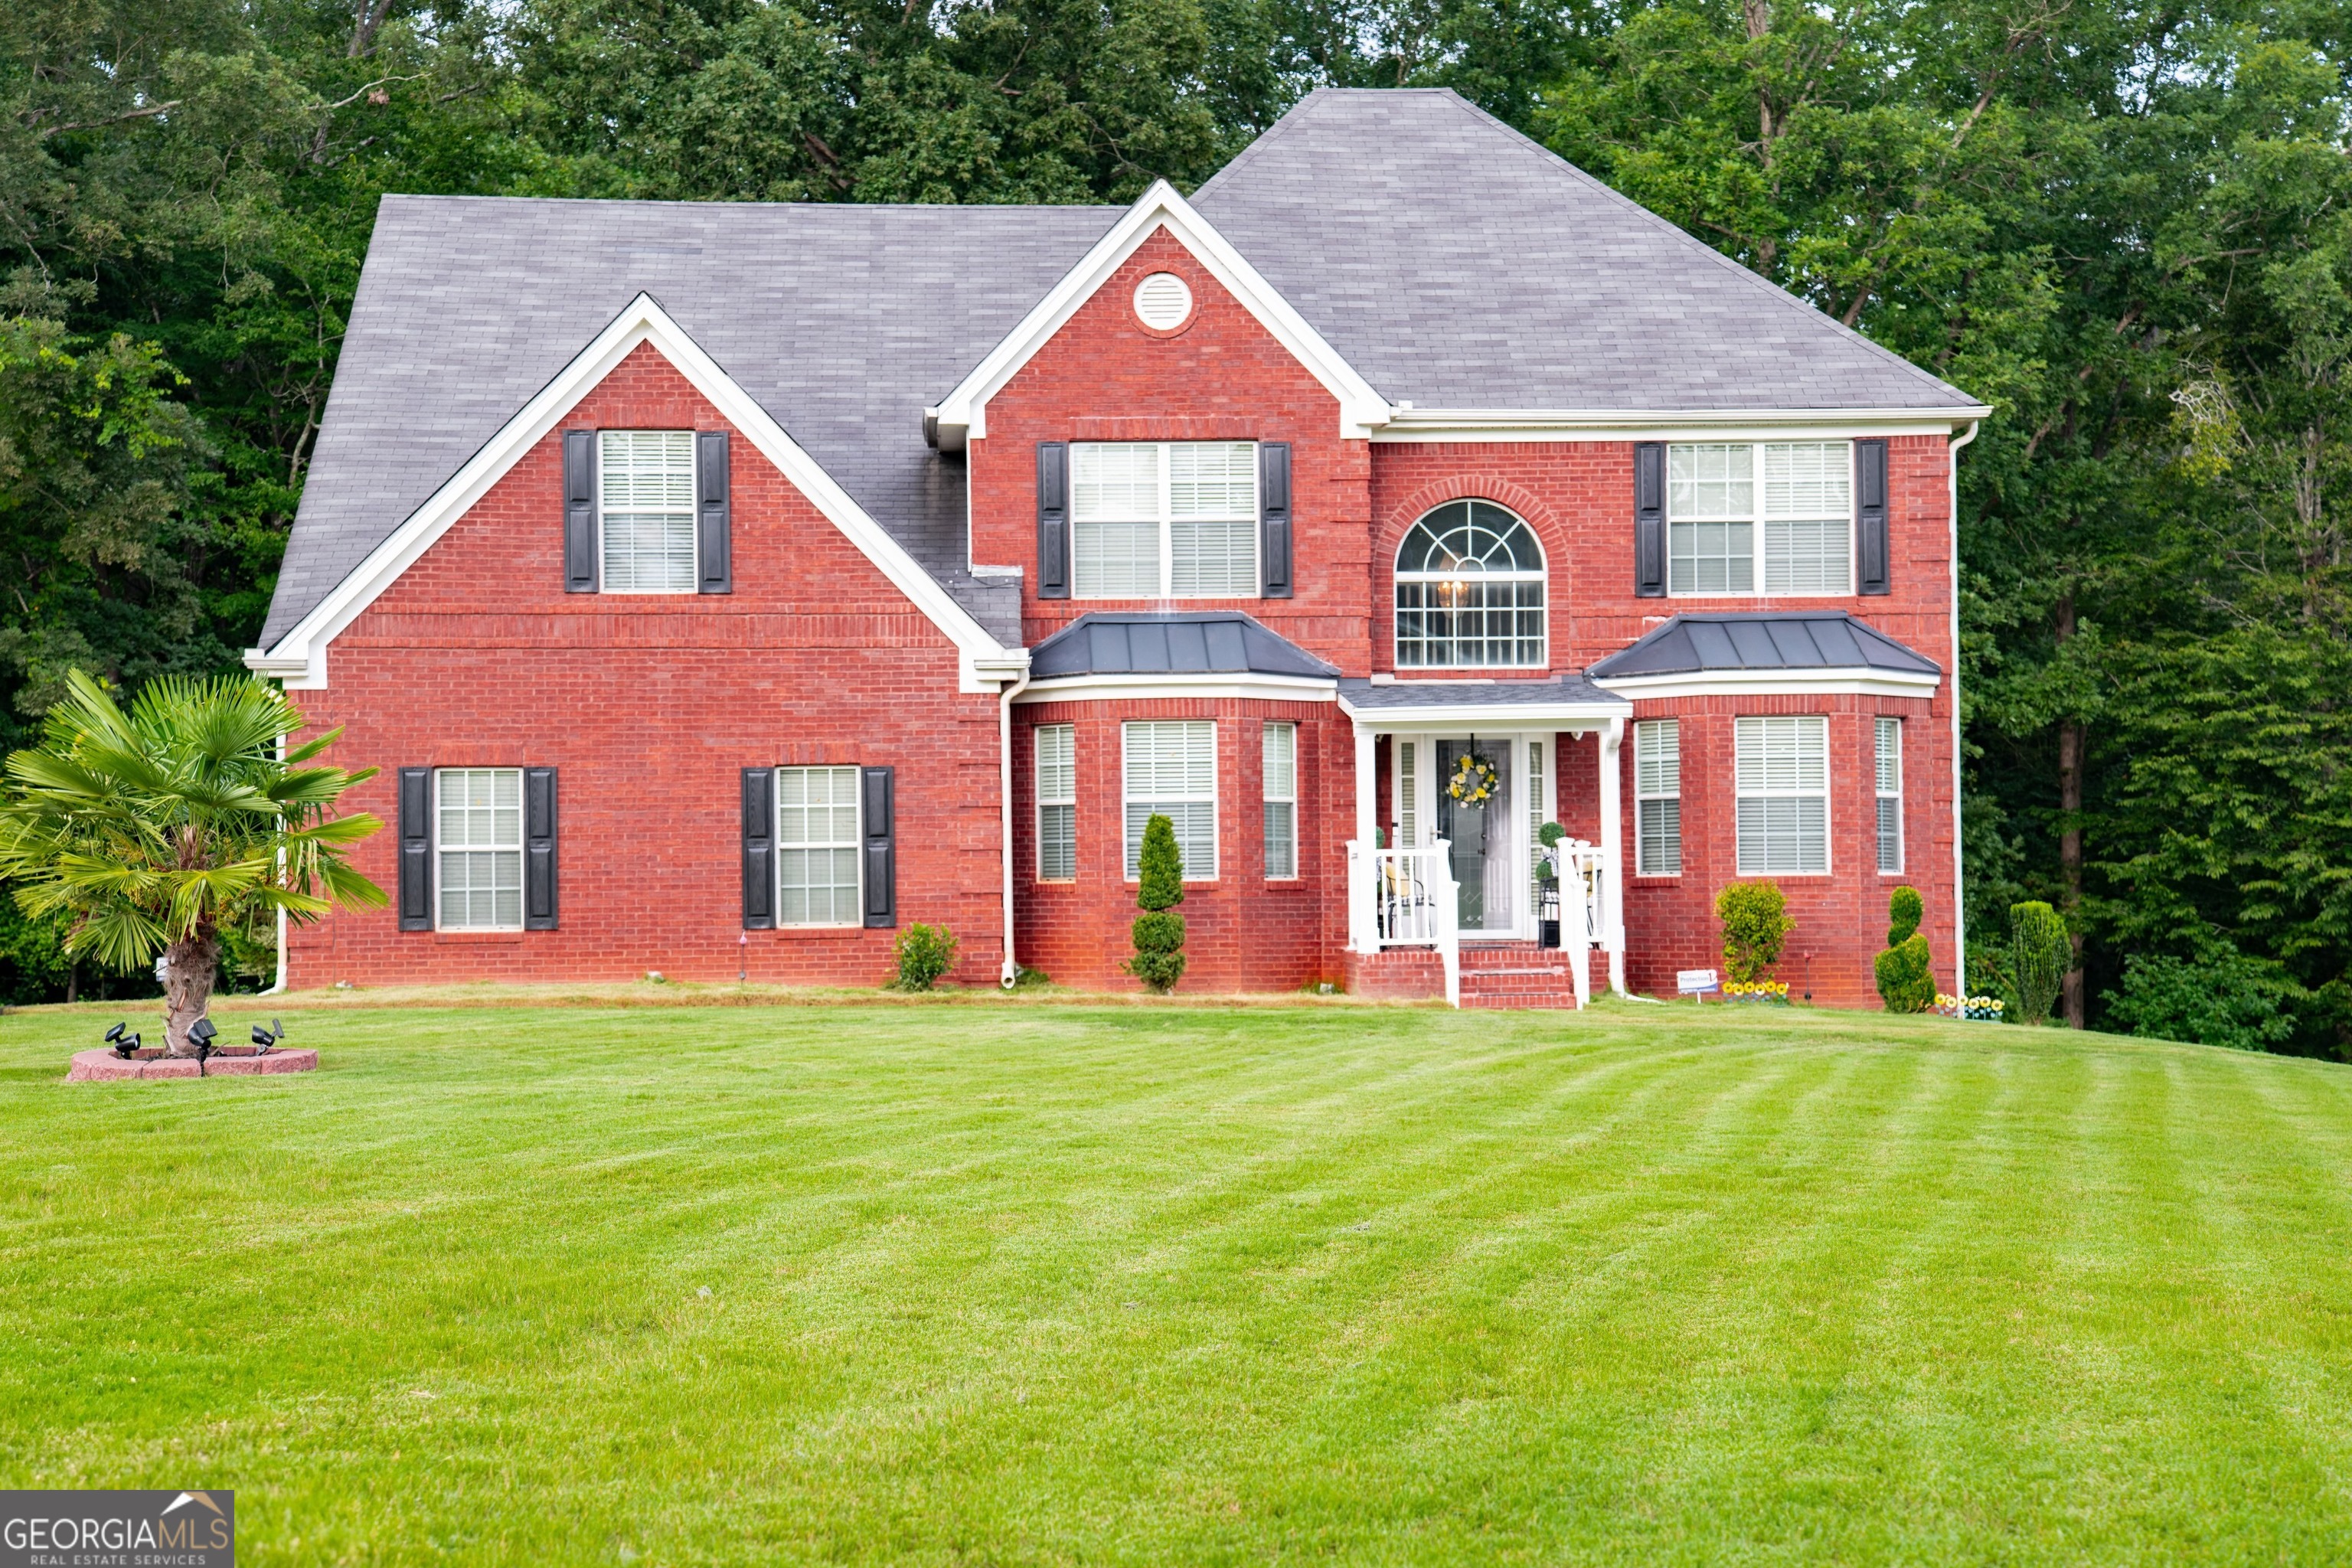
<point>189,966</point>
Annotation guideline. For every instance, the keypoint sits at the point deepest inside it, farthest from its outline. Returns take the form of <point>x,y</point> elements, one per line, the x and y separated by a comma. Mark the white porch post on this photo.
<point>1612,863</point>
<point>1362,933</point>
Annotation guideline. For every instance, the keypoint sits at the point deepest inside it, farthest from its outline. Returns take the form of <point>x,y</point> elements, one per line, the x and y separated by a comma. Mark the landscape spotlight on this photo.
<point>264,1039</point>
<point>124,1045</point>
<point>201,1034</point>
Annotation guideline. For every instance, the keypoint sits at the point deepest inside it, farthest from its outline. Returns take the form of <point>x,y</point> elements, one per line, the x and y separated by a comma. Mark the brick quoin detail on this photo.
<point>648,705</point>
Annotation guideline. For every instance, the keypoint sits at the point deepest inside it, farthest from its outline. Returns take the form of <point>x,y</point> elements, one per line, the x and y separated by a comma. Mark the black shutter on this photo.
<point>1650,520</point>
<point>580,511</point>
<point>1273,519</point>
<point>881,856</point>
<point>759,848</point>
<point>1053,520</point>
<point>1874,572</point>
<point>417,848</point>
<point>539,850</point>
<point>713,539</point>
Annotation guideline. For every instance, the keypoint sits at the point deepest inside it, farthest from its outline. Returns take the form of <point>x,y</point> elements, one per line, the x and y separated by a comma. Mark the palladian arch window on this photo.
<point>1470,591</point>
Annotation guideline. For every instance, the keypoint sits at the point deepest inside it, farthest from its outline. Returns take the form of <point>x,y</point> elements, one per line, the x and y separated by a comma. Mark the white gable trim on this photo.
<point>1411,424</point>
<point>299,656</point>
<point>964,413</point>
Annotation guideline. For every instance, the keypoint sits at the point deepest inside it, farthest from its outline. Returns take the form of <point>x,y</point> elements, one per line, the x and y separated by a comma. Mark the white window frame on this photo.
<point>693,530</point>
<point>856,844</point>
<point>1062,793</point>
<point>1889,778</point>
<point>1539,575</point>
<point>1286,801</point>
<point>440,850</point>
<point>1753,783</point>
<point>1130,832</point>
<point>1759,516</point>
<point>1165,519</point>
<point>1658,786</point>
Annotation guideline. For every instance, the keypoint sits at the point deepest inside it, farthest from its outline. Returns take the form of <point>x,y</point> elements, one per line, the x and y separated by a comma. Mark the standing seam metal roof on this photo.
<point>1201,642</point>
<point>1763,639</point>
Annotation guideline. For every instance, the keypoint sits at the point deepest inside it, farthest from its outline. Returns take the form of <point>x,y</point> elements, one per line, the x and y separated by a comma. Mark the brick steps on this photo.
<point>1517,974</point>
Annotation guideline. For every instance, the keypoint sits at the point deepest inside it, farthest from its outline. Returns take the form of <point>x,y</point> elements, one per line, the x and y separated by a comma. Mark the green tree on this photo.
<point>155,829</point>
<point>1158,932</point>
<point>1756,927</point>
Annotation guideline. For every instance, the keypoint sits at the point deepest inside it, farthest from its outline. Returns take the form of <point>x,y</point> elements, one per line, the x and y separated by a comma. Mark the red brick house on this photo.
<point>721,588</point>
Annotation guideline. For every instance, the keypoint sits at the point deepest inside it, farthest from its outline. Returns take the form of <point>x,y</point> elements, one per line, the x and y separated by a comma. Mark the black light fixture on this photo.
<point>266,1040</point>
<point>125,1046</point>
<point>201,1033</point>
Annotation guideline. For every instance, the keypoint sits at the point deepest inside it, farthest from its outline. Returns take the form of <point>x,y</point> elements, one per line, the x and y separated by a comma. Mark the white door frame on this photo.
<point>1519,851</point>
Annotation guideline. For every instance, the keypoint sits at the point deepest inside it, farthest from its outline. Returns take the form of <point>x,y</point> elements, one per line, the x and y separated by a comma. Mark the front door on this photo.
<point>1479,833</point>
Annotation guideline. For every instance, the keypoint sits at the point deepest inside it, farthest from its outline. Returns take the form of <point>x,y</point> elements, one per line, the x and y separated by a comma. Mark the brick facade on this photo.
<point>649,705</point>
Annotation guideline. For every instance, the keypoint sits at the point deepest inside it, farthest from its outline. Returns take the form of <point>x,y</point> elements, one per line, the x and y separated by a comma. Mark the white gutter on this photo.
<point>1011,970</point>
<point>1960,852</point>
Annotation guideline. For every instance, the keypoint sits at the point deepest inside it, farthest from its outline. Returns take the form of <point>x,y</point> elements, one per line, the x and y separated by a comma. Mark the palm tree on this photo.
<point>160,829</point>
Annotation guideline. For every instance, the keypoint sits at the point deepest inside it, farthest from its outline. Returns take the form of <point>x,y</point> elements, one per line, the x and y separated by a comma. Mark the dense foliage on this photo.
<point>2127,228</point>
<point>1906,971</point>
<point>1756,927</point>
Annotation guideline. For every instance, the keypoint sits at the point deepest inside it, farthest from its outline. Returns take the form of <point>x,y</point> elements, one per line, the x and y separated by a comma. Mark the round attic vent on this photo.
<point>1163,303</point>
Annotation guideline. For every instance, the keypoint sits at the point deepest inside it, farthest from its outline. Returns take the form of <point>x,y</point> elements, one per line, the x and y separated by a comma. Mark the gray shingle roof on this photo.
<point>1763,639</point>
<point>1203,642</point>
<point>1451,261</point>
<point>842,322</point>
<point>1456,263</point>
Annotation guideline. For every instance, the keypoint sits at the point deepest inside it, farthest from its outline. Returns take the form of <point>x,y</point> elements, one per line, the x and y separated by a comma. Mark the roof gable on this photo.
<point>963,412</point>
<point>300,655</point>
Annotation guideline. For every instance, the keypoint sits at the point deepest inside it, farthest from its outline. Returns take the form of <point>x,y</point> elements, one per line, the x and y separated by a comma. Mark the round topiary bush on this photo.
<point>1905,911</point>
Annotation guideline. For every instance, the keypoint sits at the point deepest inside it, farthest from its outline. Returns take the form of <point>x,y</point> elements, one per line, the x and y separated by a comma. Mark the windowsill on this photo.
<point>1752,593</point>
<point>497,934</point>
<point>1053,881</point>
<point>782,929</point>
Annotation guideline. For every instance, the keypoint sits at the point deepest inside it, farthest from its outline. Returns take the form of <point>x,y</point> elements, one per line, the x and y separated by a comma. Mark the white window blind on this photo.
<point>1172,771</point>
<point>647,510</point>
<point>1890,795</point>
<point>1783,765</point>
<point>1658,797</point>
<point>1058,803</point>
<point>1408,826</point>
<point>817,846</point>
<point>478,836</point>
<point>1164,520</point>
<point>1791,533</point>
<point>1540,803</point>
<point>1281,770</point>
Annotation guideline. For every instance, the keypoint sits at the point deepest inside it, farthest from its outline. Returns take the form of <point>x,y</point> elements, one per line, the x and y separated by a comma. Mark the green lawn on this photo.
<point>1010,1283</point>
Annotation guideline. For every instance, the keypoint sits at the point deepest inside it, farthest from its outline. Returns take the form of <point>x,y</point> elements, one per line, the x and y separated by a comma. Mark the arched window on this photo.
<point>1470,591</point>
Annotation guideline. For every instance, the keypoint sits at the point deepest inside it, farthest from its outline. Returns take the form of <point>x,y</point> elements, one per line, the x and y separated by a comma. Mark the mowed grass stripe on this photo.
<point>1043,1284</point>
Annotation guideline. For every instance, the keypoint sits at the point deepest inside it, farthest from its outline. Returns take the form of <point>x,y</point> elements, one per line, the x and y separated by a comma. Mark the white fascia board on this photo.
<point>1145,688</point>
<point>1860,681</point>
<point>1666,424</point>
<point>965,410</point>
<point>300,656</point>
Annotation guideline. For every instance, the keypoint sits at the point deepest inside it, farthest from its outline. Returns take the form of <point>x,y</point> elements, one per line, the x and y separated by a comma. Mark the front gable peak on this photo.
<point>962,414</point>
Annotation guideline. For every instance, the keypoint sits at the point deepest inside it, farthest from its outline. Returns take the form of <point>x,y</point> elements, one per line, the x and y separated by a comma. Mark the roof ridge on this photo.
<point>1780,295</point>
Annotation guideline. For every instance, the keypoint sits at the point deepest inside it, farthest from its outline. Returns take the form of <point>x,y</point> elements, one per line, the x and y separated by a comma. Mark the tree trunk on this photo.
<point>189,966</point>
<point>2070,834</point>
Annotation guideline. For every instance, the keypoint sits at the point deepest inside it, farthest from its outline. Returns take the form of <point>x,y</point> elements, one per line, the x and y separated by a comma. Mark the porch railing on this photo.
<point>1407,897</point>
<point>1585,924</point>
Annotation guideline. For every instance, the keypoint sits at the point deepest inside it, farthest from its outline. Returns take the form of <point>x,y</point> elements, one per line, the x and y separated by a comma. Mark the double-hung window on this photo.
<point>1058,803</point>
<point>646,506</point>
<point>817,847</point>
<point>1774,517</point>
<point>1890,795</point>
<point>479,842</point>
<point>1784,795</point>
<point>1172,772</point>
<point>1281,795</point>
<point>1658,797</point>
<point>1158,519</point>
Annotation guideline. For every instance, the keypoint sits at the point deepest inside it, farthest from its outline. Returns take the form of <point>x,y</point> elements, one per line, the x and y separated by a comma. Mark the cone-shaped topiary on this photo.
<point>2038,956</point>
<point>1159,936</point>
<point>1905,912</point>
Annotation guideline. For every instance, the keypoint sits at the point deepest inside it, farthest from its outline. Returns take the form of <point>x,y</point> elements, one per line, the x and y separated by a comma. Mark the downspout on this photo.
<point>1960,854</point>
<point>1011,972</point>
<point>278,986</point>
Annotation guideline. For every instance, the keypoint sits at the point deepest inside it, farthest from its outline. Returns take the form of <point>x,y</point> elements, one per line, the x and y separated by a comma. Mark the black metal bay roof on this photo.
<point>1763,639</point>
<point>1188,642</point>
